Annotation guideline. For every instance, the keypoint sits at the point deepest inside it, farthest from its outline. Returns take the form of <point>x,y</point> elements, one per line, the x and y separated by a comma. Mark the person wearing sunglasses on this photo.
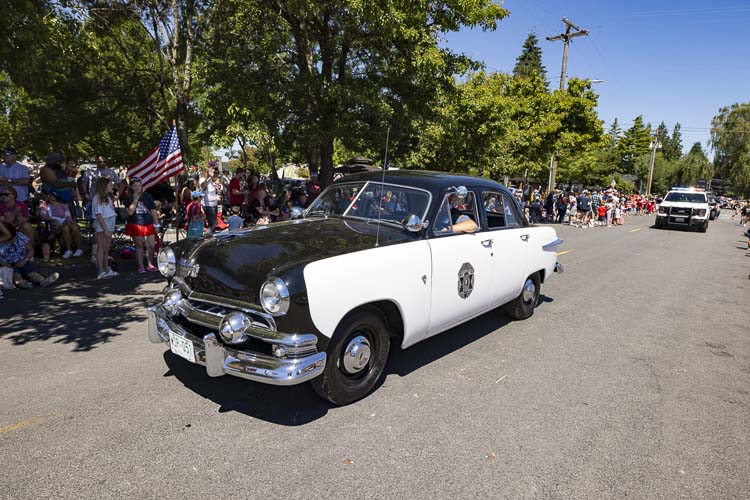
<point>101,170</point>
<point>13,212</point>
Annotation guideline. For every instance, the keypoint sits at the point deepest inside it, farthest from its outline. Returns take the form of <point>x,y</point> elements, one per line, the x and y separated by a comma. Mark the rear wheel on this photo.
<point>356,358</point>
<point>523,306</point>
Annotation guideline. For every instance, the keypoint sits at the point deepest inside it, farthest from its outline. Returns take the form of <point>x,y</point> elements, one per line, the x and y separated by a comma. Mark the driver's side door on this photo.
<point>462,270</point>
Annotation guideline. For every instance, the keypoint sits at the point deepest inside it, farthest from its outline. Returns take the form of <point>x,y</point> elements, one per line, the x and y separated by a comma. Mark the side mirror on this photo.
<point>296,212</point>
<point>413,223</point>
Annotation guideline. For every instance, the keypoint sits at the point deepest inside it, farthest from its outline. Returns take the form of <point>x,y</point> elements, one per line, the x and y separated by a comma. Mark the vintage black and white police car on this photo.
<point>376,261</point>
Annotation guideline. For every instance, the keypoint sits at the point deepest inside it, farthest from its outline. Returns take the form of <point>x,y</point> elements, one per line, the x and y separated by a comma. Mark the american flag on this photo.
<point>161,163</point>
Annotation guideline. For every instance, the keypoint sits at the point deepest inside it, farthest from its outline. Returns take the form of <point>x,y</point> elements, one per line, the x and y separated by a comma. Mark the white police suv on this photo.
<point>684,207</point>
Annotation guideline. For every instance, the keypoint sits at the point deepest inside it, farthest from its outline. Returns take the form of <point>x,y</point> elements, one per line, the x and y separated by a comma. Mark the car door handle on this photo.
<point>525,237</point>
<point>487,243</point>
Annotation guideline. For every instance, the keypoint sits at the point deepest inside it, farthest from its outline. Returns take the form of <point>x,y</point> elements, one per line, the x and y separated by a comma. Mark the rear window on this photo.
<point>686,197</point>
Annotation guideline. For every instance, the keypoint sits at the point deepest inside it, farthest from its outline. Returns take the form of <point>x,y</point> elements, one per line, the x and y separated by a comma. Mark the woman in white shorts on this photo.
<point>103,210</point>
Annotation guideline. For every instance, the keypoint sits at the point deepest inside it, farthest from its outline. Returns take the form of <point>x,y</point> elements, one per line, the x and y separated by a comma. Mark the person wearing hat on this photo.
<point>196,218</point>
<point>14,174</point>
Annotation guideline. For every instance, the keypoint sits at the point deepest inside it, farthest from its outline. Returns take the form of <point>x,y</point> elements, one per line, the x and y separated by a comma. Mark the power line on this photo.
<point>683,12</point>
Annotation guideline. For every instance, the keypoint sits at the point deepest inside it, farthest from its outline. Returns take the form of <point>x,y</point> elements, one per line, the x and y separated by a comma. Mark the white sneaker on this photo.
<point>78,253</point>
<point>111,274</point>
<point>49,279</point>
<point>68,254</point>
<point>102,275</point>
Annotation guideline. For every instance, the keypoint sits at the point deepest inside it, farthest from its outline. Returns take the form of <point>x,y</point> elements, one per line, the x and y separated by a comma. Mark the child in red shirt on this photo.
<point>602,210</point>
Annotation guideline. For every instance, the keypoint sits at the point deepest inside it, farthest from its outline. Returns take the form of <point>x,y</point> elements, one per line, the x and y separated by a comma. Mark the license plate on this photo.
<point>182,347</point>
<point>679,219</point>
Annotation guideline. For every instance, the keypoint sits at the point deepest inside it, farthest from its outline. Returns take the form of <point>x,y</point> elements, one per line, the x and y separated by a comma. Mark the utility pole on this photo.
<point>565,37</point>
<point>655,144</point>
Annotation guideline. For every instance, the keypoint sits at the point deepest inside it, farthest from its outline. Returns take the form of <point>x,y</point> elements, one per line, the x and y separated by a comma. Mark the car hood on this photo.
<point>683,204</point>
<point>236,264</point>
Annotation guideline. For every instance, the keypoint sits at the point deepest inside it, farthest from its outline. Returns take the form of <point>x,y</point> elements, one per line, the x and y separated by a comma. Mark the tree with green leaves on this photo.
<point>529,62</point>
<point>672,146</point>
<point>505,125</point>
<point>693,166</point>
<point>662,135</point>
<point>343,69</point>
<point>96,77</point>
<point>615,134</point>
<point>634,143</point>
<point>730,140</point>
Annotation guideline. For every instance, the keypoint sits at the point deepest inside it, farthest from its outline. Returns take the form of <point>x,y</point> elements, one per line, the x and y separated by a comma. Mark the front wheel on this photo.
<point>523,306</point>
<point>356,358</point>
<point>704,227</point>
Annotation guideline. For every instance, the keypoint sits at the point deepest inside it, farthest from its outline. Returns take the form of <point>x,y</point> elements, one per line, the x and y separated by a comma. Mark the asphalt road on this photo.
<point>631,379</point>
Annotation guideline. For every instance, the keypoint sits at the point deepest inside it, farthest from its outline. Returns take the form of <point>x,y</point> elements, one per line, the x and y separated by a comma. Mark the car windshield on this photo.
<point>686,197</point>
<point>368,199</point>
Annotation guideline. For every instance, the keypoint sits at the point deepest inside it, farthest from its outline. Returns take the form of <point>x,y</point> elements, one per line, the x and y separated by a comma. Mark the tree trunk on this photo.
<point>272,164</point>
<point>182,128</point>
<point>325,176</point>
<point>182,82</point>
<point>313,157</point>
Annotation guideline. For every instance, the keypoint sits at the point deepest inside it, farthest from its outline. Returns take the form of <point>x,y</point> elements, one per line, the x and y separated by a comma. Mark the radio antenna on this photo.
<point>382,186</point>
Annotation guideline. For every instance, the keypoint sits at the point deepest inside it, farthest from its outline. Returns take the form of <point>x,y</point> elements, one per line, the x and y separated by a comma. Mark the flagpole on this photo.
<point>177,197</point>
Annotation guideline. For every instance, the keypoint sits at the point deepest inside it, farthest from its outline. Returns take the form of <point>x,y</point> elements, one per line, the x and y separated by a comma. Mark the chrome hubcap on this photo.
<point>356,355</point>
<point>528,291</point>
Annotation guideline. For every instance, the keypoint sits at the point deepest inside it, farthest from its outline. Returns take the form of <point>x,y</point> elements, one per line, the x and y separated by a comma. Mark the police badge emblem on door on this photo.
<point>465,280</point>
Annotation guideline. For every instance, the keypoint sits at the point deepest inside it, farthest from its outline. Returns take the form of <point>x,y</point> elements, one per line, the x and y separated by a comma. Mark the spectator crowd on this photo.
<point>595,208</point>
<point>52,208</point>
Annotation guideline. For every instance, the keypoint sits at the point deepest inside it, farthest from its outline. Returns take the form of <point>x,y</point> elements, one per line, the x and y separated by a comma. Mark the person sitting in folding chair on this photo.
<point>62,225</point>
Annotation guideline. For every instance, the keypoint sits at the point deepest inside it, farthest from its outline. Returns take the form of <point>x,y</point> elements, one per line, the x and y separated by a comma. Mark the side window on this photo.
<point>498,208</point>
<point>453,211</point>
<point>510,214</point>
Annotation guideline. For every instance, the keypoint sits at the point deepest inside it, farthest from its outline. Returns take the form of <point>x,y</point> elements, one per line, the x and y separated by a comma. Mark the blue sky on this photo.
<point>671,61</point>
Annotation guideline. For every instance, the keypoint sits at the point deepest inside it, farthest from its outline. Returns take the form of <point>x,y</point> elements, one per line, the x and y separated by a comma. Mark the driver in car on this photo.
<point>459,222</point>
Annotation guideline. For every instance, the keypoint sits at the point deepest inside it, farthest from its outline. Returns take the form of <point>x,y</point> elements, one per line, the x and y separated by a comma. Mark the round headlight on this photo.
<point>167,262</point>
<point>274,297</point>
<point>233,327</point>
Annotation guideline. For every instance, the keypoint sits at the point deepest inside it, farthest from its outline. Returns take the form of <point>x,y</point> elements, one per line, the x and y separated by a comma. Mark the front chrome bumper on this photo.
<point>222,360</point>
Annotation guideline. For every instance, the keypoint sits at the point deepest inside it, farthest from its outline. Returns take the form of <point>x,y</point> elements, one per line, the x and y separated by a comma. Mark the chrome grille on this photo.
<point>210,315</point>
<point>680,211</point>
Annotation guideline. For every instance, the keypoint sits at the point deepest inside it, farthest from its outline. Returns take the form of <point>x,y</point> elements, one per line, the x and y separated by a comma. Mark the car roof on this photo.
<point>435,182</point>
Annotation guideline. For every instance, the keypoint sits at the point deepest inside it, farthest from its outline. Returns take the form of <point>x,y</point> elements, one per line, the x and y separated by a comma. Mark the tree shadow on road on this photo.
<point>83,313</point>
